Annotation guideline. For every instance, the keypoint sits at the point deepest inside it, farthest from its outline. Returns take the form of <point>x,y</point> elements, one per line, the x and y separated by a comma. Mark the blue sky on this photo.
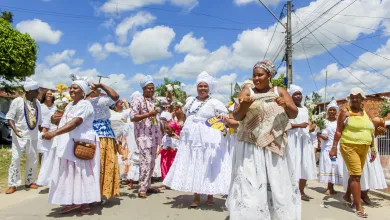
<point>126,39</point>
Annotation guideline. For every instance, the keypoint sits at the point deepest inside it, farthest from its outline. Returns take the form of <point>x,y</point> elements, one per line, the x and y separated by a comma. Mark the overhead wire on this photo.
<point>277,24</point>
<point>331,54</point>
<point>311,32</point>
<point>356,57</point>
<point>348,15</point>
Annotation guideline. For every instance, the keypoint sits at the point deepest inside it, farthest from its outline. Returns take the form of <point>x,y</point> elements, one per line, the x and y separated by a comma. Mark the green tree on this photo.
<point>316,98</point>
<point>8,16</point>
<point>18,54</point>
<point>279,82</point>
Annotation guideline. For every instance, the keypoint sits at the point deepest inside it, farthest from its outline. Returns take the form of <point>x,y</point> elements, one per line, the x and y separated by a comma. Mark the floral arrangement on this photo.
<point>319,120</point>
<point>61,98</point>
<point>229,104</point>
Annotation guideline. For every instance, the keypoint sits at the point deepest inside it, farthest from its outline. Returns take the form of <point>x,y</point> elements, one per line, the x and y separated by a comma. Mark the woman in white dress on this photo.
<point>331,172</point>
<point>261,186</point>
<point>300,151</point>
<point>75,182</point>
<point>48,108</point>
<point>202,165</point>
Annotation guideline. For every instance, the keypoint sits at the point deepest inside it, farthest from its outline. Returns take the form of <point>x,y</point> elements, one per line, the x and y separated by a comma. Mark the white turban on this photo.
<point>30,85</point>
<point>294,88</point>
<point>206,78</point>
<point>83,82</point>
<point>134,95</point>
<point>146,81</point>
<point>333,104</point>
<point>166,115</point>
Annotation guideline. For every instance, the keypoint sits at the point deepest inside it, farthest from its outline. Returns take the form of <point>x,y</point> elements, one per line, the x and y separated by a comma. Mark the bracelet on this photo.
<point>373,150</point>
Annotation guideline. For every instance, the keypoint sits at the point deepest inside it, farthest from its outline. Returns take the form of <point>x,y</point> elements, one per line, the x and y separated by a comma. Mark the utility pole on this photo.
<point>289,45</point>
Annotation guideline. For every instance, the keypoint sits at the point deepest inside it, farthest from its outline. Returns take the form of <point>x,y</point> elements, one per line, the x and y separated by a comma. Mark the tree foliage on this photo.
<point>177,93</point>
<point>8,16</point>
<point>18,53</point>
<point>279,82</point>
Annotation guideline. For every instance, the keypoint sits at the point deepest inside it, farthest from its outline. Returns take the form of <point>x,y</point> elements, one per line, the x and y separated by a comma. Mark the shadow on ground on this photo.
<point>184,202</point>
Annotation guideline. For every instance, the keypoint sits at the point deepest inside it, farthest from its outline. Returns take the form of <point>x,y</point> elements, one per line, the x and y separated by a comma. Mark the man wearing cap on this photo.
<point>147,134</point>
<point>24,118</point>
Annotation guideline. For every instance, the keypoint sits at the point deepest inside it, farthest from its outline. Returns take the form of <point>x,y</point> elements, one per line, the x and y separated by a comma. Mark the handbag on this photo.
<point>83,150</point>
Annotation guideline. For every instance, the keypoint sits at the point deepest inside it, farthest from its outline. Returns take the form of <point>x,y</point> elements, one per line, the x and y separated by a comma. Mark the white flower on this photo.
<point>169,87</point>
<point>176,86</point>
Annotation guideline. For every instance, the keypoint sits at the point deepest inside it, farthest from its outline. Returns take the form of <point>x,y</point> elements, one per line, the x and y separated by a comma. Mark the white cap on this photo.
<point>357,90</point>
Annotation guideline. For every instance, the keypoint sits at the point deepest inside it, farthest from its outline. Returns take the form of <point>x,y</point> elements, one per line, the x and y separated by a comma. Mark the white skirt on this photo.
<point>75,182</point>
<point>328,172</point>
<point>157,167</point>
<point>372,177</point>
<point>200,169</point>
<point>261,186</point>
<point>134,168</point>
<point>301,158</point>
<point>46,168</point>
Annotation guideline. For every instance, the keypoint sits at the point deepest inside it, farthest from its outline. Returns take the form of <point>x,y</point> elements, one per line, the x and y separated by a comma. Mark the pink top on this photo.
<point>146,134</point>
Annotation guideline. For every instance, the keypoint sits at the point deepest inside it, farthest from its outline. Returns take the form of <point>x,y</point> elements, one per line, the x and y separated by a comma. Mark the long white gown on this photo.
<point>76,181</point>
<point>372,177</point>
<point>203,164</point>
<point>300,150</point>
<point>330,173</point>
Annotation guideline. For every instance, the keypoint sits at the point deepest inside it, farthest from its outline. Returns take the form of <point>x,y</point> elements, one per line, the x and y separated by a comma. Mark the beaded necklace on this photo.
<point>199,107</point>
<point>29,115</point>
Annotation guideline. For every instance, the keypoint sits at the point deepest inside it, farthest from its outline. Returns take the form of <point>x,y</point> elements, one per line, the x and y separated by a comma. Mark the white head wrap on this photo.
<point>146,81</point>
<point>206,78</point>
<point>333,104</point>
<point>134,95</point>
<point>166,115</point>
<point>83,82</point>
<point>357,90</point>
<point>294,88</point>
<point>30,84</point>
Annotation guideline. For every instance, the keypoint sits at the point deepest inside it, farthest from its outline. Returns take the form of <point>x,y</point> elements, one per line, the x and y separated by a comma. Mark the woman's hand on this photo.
<point>373,157</point>
<point>49,135</point>
<point>96,86</point>
<point>333,152</point>
<point>281,102</point>
<point>381,129</point>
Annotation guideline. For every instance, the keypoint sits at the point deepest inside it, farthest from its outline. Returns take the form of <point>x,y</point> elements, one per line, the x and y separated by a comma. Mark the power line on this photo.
<point>337,59</point>
<point>362,38</point>
<point>359,46</point>
<point>280,16</point>
<point>311,32</point>
<point>355,56</point>
<point>314,20</point>
<point>348,15</point>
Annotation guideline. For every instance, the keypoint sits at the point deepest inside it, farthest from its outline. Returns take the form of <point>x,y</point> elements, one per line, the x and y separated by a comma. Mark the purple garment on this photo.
<point>146,134</point>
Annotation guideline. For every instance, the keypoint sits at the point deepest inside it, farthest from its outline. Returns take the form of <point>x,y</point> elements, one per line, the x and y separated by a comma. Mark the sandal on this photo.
<point>153,191</point>
<point>195,204</point>
<point>69,208</point>
<point>305,198</point>
<point>361,214</point>
<point>142,195</point>
<point>85,210</point>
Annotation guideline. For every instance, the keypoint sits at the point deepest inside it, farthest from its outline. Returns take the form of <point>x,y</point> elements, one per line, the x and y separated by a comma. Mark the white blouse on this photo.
<point>47,112</point>
<point>101,106</point>
<point>169,142</point>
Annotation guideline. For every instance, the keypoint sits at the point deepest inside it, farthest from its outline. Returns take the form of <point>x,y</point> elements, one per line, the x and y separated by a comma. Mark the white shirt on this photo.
<point>169,142</point>
<point>101,106</point>
<point>16,113</point>
<point>47,112</point>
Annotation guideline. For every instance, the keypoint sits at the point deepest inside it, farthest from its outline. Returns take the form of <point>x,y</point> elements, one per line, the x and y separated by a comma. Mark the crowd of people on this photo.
<point>262,164</point>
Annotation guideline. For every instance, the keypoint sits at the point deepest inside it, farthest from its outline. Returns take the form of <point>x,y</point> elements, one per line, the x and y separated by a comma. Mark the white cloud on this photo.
<point>64,56</point>
<point>98,51</point>
<point>130,23</point>
<point>109,23</point>
<point>40,31</point>
<point>151,44</point>
<point>113,6</point>
<point>191,45</point>
<point>48,77</point>
<point>112,48</point>
<point>188,4</point>
<point>375,61</point>
<point>267,2</point>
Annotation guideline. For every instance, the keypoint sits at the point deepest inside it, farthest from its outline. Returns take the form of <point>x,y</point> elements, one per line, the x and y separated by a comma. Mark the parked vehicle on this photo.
<point>5,130</point>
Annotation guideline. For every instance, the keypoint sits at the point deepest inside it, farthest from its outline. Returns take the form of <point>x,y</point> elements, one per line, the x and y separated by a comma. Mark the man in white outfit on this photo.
<point>24,118</point>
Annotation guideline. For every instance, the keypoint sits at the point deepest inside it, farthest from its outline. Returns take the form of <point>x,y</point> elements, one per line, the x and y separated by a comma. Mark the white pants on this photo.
<point>18,147</point>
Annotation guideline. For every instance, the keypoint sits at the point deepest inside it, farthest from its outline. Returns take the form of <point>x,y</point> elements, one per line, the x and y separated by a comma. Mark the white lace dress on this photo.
<point>76,181</point>
<point>330,173</point>
<point>202,163</point>
<point>261,186</point>
<point>300,150</point>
